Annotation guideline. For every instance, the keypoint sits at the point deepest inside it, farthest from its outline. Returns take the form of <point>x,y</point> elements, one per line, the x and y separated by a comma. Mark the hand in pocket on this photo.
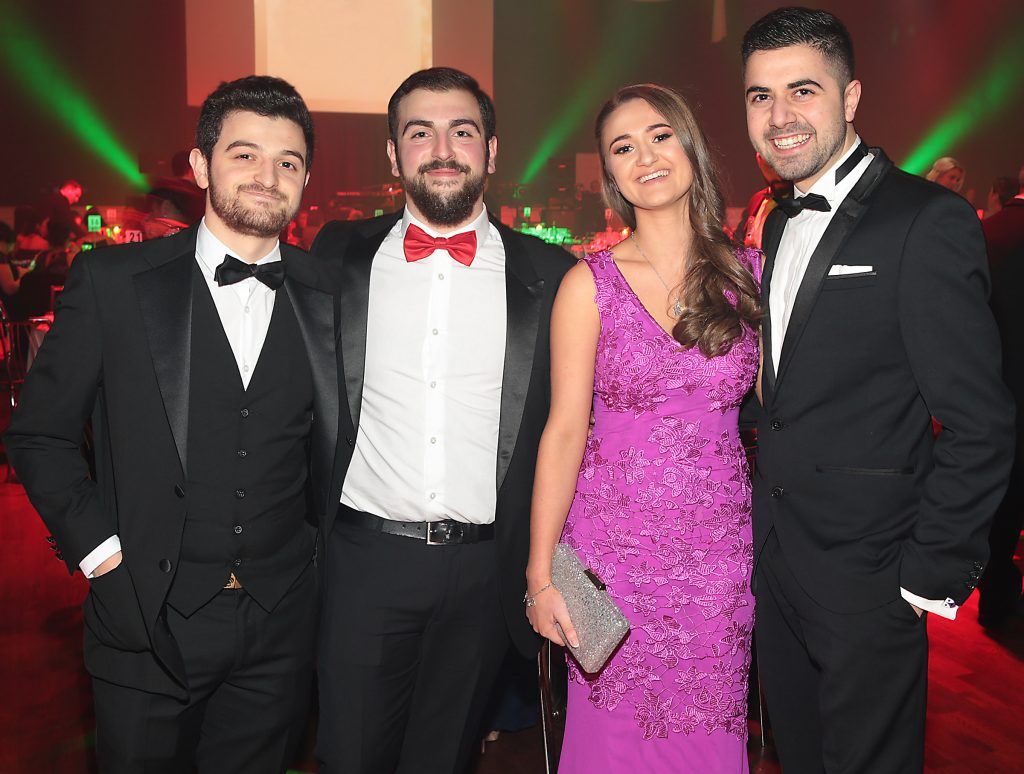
<point>112,612</point>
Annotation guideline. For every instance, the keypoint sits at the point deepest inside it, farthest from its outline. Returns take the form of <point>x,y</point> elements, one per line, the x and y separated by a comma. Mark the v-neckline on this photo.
<point>636,298</point>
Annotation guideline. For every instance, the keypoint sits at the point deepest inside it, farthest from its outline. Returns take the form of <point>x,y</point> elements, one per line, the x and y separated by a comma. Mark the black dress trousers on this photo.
<point>250,676</point>
<point>411,641</point>
<point>846,693</point>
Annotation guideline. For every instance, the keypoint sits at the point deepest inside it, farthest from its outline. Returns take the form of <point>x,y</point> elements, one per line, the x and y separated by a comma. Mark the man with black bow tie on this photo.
<point>874,293</point>
<point>444,339</point>
<point>206,361</point>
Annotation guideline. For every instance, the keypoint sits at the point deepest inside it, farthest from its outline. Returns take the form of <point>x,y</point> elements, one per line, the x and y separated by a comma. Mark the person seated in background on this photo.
<point>10,276</point>
<point>1003,190</point>
<point>51,268</point>
<point>28,229</point>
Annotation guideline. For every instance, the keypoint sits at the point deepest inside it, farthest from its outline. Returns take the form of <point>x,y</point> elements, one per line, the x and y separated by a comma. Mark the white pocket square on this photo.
<point>839,269</point>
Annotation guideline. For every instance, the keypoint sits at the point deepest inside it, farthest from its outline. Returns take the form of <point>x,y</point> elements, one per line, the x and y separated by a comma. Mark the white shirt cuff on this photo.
<point>99,555</point>
<point>945,607</point>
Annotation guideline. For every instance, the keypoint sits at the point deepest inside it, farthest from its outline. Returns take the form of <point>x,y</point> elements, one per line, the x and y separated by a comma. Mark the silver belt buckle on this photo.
<point>443,533</point>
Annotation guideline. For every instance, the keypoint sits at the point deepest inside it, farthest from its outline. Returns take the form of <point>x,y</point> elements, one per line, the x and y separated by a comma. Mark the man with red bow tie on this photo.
<point>444,335</point>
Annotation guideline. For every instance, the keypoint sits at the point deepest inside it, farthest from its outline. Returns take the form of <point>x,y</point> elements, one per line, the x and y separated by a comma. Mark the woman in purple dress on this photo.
<point>658,338</point>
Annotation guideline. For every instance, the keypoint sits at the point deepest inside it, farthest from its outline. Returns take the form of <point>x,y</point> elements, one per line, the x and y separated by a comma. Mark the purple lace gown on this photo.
<point>662,515</point>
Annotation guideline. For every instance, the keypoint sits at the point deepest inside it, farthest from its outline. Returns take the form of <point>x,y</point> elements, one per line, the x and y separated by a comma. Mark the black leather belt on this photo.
<point>434,533</point>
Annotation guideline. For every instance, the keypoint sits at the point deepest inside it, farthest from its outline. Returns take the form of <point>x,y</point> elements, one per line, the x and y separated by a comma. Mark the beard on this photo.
<point>258,220</point>
<point>820,150</point>
<point>444,207</point>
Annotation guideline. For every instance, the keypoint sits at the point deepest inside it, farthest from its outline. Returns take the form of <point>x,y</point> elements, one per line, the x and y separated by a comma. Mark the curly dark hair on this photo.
<point>263,95</point>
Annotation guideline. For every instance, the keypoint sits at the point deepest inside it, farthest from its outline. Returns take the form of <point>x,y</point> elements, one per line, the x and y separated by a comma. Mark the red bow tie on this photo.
<point>418,244</point>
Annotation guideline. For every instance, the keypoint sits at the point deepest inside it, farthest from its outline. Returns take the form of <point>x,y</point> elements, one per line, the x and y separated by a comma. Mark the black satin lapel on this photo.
<point>165,303</point>
<point>774,227</point>
<point>524,294</point>
<point>354,298</point>
<point>314,310</point>
<point>839,229</point>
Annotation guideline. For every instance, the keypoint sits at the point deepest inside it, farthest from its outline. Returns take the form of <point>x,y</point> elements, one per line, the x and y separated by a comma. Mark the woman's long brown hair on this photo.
<point>709,320</point>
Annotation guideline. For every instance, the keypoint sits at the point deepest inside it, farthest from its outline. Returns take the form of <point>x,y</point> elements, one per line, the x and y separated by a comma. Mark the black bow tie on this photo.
<point>793,206</point>
<point>233,270</point>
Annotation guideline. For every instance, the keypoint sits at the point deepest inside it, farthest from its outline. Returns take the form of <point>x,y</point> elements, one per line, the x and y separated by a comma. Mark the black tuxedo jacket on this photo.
<point>533,271</point>
<point>861,496</point>
<point>119,352</point>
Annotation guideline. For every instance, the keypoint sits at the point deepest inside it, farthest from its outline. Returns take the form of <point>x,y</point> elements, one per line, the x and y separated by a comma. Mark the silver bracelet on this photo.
<point>529,600</point>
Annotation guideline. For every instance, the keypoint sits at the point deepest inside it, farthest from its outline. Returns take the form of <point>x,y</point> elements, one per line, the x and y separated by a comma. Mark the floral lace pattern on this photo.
<point>662,515</point>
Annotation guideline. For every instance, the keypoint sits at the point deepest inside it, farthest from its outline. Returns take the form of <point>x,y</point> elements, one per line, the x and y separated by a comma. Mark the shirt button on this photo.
<point>239,493</point>
<point>433,439</point>
<point>244,412</point>
<point>440,276</point>
<point>247,310</point>
<point>433,495</point>
<point>434,331</point>
<point>433,385</point>
<point>241,452</point>
<point>238,529</point>
<point>777,424</point>
<point>245,368</point>
<point>237,563</point>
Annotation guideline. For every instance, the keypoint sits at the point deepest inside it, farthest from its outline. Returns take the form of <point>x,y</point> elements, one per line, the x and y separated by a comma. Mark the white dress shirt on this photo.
<point>801,236</point>
<point>244,309</point>
<point>427,442</point>
<point>799,239</point>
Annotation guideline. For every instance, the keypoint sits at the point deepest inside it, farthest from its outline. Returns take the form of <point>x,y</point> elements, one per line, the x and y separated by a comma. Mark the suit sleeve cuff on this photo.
<point>99,555</point>
<point>945,607</point>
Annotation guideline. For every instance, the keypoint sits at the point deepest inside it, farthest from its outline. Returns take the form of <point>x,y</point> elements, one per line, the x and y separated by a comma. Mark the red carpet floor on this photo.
<point>974,715</point>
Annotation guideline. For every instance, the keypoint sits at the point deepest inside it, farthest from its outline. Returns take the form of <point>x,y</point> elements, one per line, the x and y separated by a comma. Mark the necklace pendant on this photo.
<point>677,309</point>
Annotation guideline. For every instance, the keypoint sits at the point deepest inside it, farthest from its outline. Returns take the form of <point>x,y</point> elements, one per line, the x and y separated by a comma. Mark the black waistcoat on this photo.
<point>247,461</point>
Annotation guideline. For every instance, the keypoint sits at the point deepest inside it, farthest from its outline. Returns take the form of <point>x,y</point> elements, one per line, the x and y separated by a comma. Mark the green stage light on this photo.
<point>998,88</point>
<point>42,77</point>
<point>625,32</point>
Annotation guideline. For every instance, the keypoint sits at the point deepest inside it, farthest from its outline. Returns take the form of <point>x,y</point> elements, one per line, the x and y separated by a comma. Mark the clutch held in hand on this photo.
<point>600,625</point>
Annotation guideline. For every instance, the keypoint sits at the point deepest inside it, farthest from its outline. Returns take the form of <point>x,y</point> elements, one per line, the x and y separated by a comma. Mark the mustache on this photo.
<point>438,164</point>
<point>791,129</point>
<point>256,188</point>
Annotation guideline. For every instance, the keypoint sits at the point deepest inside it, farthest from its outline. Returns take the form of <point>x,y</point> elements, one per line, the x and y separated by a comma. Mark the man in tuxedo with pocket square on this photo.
<point>206,362</point>
<point>876,319</point>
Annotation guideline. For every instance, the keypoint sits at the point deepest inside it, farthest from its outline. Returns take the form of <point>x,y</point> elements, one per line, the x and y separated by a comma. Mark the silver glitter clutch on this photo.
<point>600,625</point>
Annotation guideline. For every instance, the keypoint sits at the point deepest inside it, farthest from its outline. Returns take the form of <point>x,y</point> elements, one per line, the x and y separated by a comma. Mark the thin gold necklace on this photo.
<point>677,308</point>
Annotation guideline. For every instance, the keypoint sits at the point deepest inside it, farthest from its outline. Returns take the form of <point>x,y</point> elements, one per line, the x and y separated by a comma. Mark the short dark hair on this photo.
<point>263,95</point>
<point>1005,188</point>
<point>796,26</point>
<point>442,79</point>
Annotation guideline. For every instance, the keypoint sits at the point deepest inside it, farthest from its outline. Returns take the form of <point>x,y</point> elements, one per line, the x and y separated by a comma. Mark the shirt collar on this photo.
<point>211,251</point>
<point>481,225</point>
<point>827,186</point>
